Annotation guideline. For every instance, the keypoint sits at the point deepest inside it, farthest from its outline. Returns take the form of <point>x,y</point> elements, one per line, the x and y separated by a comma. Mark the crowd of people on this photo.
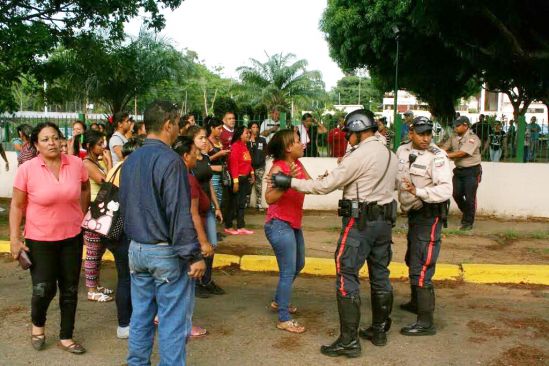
<point>177,181</point>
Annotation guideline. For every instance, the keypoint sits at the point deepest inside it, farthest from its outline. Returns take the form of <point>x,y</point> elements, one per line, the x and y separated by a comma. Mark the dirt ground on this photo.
<point>477,325</point>
<point>492,240</point>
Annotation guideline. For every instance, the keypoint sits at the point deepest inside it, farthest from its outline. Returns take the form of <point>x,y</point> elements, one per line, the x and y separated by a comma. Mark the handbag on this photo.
<point>104,216</point>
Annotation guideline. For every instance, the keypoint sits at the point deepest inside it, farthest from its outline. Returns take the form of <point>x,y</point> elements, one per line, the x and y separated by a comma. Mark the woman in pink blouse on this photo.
<point>52,192</point>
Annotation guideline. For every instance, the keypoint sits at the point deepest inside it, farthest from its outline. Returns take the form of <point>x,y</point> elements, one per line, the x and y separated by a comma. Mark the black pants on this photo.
<point>466,181</point>
<point>55,264</point>
<point>234,204</point>
<point>123,298</point>
<point>424,234</point>
<point>373,244</point>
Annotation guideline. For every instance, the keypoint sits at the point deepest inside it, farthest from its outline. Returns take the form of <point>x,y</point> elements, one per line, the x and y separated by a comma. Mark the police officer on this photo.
<point>464,149</point>
<point>367,175</point>
<point>424,190</point>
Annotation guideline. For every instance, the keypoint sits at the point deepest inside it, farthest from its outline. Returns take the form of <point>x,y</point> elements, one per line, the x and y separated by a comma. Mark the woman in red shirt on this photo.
<point>283,224</point>
<point>242,174</point>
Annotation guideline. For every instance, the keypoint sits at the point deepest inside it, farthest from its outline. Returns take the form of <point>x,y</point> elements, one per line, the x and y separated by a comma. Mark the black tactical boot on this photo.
<point>382,305</point>
<point>348,343</point>
<point>411,306</point>
<point>425,307</point>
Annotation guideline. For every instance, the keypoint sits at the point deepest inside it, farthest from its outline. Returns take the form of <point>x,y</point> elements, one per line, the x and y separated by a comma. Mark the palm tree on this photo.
<point>278,82</point>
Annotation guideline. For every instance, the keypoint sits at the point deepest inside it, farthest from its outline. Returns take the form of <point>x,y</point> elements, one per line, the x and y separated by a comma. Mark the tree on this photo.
<point>352,89</point>
<point>360,34</point>
<point>30,30</point>
<point>279,80</point>
<point>116,73</point>
<point>507,41</point>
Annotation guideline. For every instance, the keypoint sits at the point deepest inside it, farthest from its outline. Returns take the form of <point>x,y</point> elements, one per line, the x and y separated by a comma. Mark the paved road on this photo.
<point>477,325</point>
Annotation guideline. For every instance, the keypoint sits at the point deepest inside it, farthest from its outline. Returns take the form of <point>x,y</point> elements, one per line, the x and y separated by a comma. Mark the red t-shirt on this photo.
<point>197,192</point>
<point>337,142</point>
<point>289,207</point>
<point>226,137</point>
<point>240,160</point>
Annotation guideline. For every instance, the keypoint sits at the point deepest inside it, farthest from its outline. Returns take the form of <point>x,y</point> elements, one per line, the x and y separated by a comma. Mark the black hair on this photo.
<point>279,142</point>
<point>158,113</point>
<point>137,126</point>
<point>183,145</point>
<point>305,116</point>
<point>84,127</point>
<point>118,118</point>
<point>211,123</point>
<point>238,131</point>
<point>253,123</point>
<point>25,129</point>
<point>193,131</point>
<point>94,124</point>
<point>39,127</point>
<point>91,138</point>
<point>133,144</point>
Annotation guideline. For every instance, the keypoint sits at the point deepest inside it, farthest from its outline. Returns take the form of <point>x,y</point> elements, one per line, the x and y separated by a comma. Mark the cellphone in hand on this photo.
<point>24,260</point>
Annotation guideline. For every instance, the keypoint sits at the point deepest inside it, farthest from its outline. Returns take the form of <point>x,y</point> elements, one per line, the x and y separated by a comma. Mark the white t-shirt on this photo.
<point>267,124</point>
<point>303,135</point>
<point>117,139</point>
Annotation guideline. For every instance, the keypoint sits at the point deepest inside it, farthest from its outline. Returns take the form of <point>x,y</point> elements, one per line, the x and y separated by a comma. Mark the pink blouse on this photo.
<point>53,209</point>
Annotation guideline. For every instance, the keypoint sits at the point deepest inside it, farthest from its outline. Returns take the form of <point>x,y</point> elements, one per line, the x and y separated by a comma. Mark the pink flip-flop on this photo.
<point>197,332</point>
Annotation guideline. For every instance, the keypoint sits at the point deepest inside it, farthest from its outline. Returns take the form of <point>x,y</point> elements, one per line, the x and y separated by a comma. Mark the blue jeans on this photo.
<point>211,227</point>
<point>289,248</point>
<point>159,284</point>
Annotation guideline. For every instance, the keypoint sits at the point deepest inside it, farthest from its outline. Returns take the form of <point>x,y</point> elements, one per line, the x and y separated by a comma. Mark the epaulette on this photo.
<point>435,150</point>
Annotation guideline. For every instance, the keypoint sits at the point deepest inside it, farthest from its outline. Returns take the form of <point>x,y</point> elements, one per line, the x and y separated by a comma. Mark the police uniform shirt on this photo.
<point>430,173</point>
<point>468,143</point>
<point>359,170</point>
<point>381,138</point>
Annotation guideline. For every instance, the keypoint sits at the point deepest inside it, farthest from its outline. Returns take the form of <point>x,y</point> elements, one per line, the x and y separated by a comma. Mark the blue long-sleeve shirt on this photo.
<point>155,199</point>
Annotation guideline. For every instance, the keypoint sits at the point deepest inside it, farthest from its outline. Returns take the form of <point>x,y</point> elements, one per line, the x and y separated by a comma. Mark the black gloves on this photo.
<point>281,180</point>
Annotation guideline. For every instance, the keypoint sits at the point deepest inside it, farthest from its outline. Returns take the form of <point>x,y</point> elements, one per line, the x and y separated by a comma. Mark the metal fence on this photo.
<point>327,144</point>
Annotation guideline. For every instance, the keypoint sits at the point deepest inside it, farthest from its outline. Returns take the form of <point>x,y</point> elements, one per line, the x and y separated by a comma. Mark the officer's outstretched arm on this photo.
<point>345,173</point>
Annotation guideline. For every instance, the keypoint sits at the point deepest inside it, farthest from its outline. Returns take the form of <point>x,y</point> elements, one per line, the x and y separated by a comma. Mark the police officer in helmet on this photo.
<point>368,175</point>
<point>424,191</point>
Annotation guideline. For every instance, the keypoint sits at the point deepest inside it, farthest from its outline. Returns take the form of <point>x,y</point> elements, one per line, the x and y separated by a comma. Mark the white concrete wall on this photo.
<point>506,190</point>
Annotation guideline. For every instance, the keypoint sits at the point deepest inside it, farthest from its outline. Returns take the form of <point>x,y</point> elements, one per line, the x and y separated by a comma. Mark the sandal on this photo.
<point>197,332</point>
<point>104,290</point>
<point>292,309</point>
<point>291,326</point>
<point>74,348</point>
<point>99,297</point>
<point>38,341</point>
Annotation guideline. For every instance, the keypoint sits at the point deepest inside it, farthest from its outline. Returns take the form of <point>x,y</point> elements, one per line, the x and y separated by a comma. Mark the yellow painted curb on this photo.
<point>319,267</point>
<point>225,260</point>
<point>259,263</point>
<point>506,273</point>
<point>475,273</point>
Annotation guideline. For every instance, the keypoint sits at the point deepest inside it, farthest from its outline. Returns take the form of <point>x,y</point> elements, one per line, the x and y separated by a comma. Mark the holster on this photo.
<point>372,211</point>
<point>431,210</point>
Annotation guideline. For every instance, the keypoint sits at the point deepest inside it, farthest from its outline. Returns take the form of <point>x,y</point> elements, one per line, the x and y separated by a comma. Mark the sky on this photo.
<point>228,33</point>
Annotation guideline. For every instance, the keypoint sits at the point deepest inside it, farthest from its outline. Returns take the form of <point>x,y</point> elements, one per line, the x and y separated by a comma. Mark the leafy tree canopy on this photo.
<point>30,30</point>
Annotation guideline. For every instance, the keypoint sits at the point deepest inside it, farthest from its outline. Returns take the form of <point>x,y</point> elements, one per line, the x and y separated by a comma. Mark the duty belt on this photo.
<point>431,210</point>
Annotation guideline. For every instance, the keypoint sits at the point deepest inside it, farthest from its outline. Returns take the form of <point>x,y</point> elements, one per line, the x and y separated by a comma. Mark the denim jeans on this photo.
<point>211,233</point>
<point>289,248</point>
<point>159,285</point>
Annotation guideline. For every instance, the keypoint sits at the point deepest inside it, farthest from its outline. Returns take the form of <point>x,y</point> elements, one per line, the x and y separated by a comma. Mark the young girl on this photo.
<point>94,143</point>
<point>203,172</point>
<point>200,205</point>
<point>218,156</point>
<point>283,224</point>
<point>242,174</point>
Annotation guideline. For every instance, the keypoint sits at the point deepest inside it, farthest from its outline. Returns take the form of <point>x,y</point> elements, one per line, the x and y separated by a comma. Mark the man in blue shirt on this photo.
<point>164,253</point>
<point>535,130</point>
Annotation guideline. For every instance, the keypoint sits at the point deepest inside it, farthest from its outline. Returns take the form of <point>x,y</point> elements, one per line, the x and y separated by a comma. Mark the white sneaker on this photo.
<point>123,332</point>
